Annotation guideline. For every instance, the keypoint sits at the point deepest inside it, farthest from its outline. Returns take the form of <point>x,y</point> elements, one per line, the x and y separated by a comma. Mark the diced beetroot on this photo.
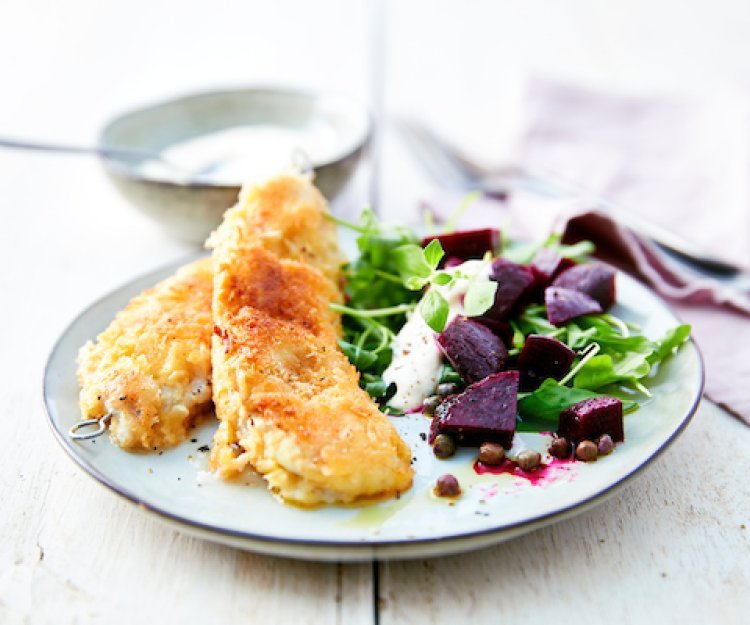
<point>591,418</point>
<point>499,328</point>
<point>484,413</point>
<point>566,304</point>
<point>514,283</point>
<point>451,261</point>
<point>467,244</point>
<point>547,265</point>
<point>543,357</point>
<point>473,349</point>
<point>597,280</point>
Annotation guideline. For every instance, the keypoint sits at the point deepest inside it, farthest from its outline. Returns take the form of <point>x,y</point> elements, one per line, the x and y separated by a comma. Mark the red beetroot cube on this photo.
<point>499,328</point>
<point>547,265</point>
<point>514,283</point>
<point>473,349</point>
<point>467,244</point>
<point>543,357</point>
<point>591,418</point>
<point>484,412</point>
<point>596,280</point>
<point>566,304</point>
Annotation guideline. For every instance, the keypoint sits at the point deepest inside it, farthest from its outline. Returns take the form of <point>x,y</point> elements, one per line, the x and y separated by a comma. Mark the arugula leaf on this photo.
<point>434,310</point>
<point>449,374</point>
<point>375,386</point>
<point>479,297</point>
<point>534,321</point>
<point>518,340</point>
<point>671,341</point>
<point>361,358</point>
<point>578,338</point>
<point>541,409</point>
<point>603,369</point>
<point>621,344</point>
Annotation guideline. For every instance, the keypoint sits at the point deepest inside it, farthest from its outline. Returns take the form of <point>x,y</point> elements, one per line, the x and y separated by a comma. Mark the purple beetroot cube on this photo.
<point>514,283</point>
<point>596,280</point>
<point>591,418</point>
<point>473,349</point>
<point>543,357</point>
<point>467,244</point>
<point>484,412</point>
<point>566,304</point>
<point>547,265</point>
<point>501,329</point>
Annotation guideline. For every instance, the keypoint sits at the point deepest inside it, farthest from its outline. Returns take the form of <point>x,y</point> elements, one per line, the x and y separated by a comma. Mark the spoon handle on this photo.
<point>134,153</point>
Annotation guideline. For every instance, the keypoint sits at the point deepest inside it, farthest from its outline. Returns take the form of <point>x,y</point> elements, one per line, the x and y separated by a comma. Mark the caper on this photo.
<point>447,486</point>
<point>430,404</point>
<point>444,446</point>
<point>491,453</point>
<point>605,445</point>
<point>587,451</point>
<point>447,388</point>
<point>560,447</point>
<point>529,459</point>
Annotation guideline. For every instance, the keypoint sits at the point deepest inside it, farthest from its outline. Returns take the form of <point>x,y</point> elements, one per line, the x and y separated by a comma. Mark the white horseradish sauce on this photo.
<point>415,368</point>
<point>233,155</point>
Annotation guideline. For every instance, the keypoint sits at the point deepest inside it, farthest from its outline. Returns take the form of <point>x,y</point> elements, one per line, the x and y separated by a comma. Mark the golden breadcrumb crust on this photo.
<point>284,216</point>
<point>288,400</point>
<point>151,368</point>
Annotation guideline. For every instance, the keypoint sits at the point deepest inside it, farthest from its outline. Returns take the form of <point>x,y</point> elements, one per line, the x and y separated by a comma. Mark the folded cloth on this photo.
<point>683,163</point>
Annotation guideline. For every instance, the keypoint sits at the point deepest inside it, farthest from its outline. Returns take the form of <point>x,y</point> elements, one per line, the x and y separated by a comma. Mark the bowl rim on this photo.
<point>361,140</point>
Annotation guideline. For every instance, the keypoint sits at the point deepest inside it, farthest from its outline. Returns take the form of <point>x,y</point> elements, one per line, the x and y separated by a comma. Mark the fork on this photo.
<point>451,168</point>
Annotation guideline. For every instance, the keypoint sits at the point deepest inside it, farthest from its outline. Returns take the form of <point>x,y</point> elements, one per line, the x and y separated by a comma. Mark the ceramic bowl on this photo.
<point>191,210</point>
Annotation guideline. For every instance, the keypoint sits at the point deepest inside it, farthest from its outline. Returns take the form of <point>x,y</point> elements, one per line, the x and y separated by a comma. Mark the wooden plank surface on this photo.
<point>81,552</point>
<point>672,547</point>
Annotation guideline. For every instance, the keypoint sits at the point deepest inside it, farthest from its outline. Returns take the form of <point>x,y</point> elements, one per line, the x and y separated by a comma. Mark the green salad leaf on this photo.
<point>361,358</point>
<point>540,410</point>
<point>412,266</point>
<point>393,276</point>
<point>434,309</point>
<point>603,369</point>
<point>480,295</point>
<point>669,343</point>
<point>433,254</point>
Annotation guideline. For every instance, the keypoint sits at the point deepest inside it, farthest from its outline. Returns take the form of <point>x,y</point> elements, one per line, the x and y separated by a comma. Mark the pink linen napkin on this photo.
<point>683,163</point>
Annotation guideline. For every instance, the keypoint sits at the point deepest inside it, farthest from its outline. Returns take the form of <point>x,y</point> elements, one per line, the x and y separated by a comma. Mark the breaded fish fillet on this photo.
<point>288,400</point>
<point>285,216</point>
<point>151,368</point>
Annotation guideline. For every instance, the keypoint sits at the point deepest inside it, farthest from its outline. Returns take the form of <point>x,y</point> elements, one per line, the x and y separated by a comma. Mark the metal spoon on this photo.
<point>181,174</point>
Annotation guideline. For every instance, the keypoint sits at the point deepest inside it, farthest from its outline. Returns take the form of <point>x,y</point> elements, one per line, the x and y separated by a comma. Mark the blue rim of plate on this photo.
<point>207,530</point>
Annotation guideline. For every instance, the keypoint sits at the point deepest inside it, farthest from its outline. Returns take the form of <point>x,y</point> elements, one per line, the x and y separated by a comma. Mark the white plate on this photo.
<point>175,486</point>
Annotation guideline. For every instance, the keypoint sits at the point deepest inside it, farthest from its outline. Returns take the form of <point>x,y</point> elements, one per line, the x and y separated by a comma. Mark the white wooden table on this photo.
<point>672,547</point>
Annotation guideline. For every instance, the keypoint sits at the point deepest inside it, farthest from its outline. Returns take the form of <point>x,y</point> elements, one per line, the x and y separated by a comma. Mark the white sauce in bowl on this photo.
<point>233,155</point>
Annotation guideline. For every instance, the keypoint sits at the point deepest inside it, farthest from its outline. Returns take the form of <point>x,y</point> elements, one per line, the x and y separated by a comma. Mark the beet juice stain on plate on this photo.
<point>545,473</point>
